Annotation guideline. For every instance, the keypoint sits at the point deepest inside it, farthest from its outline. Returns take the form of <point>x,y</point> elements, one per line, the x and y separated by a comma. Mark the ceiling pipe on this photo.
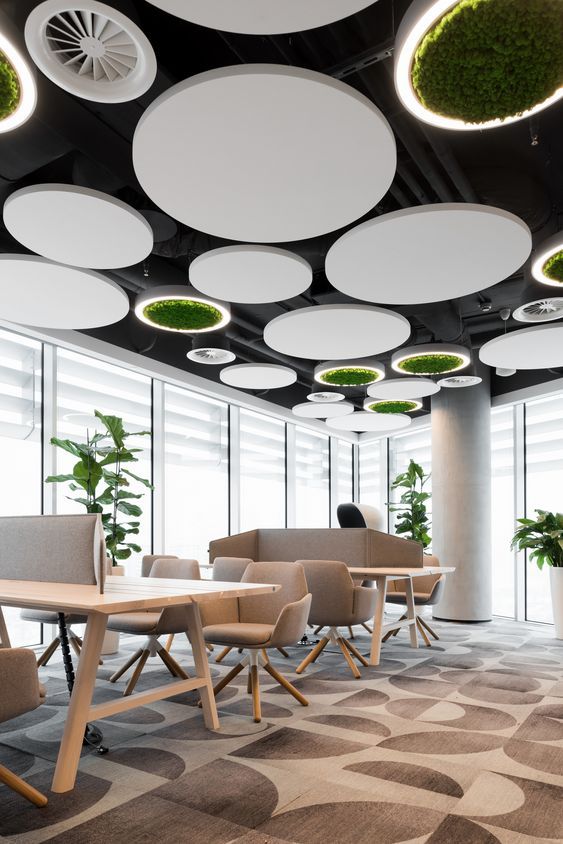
<point>450,164</point>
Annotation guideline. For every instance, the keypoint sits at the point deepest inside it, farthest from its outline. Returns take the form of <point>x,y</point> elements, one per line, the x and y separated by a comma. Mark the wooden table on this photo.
<point>381,575</point>
<point>122,594</point>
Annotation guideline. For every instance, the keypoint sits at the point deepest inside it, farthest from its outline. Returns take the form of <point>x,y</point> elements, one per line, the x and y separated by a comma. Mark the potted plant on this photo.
<point>413,520</point>
<point>542,538</point>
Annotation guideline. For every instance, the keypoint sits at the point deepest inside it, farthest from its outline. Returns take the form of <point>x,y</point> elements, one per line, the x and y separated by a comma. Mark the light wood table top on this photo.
<point>398,572</point>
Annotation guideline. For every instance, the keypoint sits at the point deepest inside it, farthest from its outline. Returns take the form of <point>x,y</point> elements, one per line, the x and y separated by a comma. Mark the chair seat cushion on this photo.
<point>238,634</point>
<point>48,617</point>
<point>401,598</point>
<point>134,622</point>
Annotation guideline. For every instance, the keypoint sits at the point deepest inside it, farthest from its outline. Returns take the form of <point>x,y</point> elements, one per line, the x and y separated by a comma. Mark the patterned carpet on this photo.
<point>460,743</point>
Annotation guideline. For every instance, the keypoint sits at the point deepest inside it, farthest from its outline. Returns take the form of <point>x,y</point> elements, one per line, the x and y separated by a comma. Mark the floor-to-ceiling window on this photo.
<point>373,476</point>
<point>503,515</point>
<point>311,479</point>
<point>196,472</point>
<point>342,476</point>
<point>262,471</point>
<point>20,447</point>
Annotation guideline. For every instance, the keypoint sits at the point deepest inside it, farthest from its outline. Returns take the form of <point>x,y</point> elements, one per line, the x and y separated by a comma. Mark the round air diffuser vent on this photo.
<point>211,351</point>
<point>90,50</point>
<point>542,310</point>
<point>458,381</point>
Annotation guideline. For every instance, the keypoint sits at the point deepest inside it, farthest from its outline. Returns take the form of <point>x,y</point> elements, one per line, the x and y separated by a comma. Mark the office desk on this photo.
<point>122,594</point>
<point>381,575</point>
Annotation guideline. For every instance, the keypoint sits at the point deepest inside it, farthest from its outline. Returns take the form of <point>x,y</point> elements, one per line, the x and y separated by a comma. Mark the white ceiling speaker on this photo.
<point>35,291</point>
<point>547,265</point>
<point>430,359</point>
<point>78,226</point>
<point>503,372</point>
<point>90,50</point>
<point>327,410</point>
<point>259,131</point>
<point>180,308</point>
<point>536,347</point>
<point>214,350</point>
<point>364,420</point>
<point>250,274</point>
<point>258,376</point>
<point>262,17</point>
<point>459,381</point>
<point>397,389</point>
<point>542,310</point>
<point>322,332</point>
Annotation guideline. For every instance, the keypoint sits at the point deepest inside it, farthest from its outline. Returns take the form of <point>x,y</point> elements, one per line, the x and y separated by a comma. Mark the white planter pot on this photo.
<point>110,645</point>
<point>556,579</point>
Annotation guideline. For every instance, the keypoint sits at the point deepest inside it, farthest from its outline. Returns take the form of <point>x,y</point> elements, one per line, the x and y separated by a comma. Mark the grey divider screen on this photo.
<point>53,549</point>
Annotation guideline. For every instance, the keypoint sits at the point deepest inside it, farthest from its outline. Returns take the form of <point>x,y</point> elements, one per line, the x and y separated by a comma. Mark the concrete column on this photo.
<point>461,499</point>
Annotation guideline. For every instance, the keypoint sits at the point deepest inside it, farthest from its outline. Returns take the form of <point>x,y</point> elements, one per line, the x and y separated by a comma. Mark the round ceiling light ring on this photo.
<point>349,373</point>
<point>550,252</point>
<point>392,405</point>
<point>431,359</point>
<point>17,65</point>
<point>169,308</point>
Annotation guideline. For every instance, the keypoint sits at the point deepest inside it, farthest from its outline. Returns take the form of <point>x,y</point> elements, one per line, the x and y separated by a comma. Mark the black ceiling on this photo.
<point>517,167</point>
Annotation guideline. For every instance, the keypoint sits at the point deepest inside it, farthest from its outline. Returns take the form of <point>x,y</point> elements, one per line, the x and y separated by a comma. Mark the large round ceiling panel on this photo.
<point>403,389</point>
<point>277,153</point>
<point>262,17</point>
<point>327,410</point>
<point>258,376</point>
<point>364,420</point>
<point>35,291</point>
<point>78,226</point>
<point>539,347</point>
<point>250,274</point>
<point>428,254</point>
<point>336,331</point>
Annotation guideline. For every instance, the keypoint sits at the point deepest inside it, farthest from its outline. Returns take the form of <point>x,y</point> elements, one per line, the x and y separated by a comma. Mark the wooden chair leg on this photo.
<point>209,647</point>
<point>367,627</point>
<point>353,667</point>
<point>121,671</point>
<point>249,683</point>
<point>427,627</point>
<point>284,682</point>
<point>283,652</point>
<point>355,652</point>
<point>395,630</point>
<point>169,641</point>
<point>48,652</point>
<point>22,787</point>
<point>422,632</point>
<point>255,683</point>
<point>221,656</point>
<point>351,632</point>
<point>74,645</point>
<point>312,655</point>
<point>317,630</point>
<point>228,677</point>
<point>175,668</point>
<point>136,673</point>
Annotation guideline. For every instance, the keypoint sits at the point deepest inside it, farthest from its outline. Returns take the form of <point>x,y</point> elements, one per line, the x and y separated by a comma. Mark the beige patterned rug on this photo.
<point>458,744</point>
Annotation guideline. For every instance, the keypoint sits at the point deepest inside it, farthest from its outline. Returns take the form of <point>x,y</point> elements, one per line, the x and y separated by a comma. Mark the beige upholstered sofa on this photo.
<point>354,546</point>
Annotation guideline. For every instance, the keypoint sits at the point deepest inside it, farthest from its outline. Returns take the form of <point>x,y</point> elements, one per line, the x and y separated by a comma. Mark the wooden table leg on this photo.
<point>78,710</point>
<point>4,637</point>
<point>202,666</point>
<point>381,583</point>
<point>411,612</point>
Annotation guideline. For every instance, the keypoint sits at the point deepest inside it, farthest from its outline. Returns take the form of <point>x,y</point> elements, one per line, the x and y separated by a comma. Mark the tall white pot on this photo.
<point>556,579</point>
<point>110,645</point>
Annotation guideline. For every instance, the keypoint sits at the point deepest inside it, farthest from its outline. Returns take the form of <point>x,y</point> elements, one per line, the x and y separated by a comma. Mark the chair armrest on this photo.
<point>364,602</point>
<point>291,623</point>
<point>19,682</point>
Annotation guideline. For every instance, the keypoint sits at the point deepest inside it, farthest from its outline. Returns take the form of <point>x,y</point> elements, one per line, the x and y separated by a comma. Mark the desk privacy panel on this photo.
<point>52,549</point>
<point>354,546</point>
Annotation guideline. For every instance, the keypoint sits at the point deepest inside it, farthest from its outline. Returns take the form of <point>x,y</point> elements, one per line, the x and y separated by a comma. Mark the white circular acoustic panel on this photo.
<point>262,17</point>
<point>258,376</point>
<point>459,381</point>
<point>280,153</point>
<point>538,347</point>
<point>542,310</point>
<point>413,255</point>
<point>35,291</point>
<point>310,410</point>
<point>336,331</point>
<point>91,50</point>
<point>78,226</point>
<point>250,274</point>
<point>403,389</point>
<point>364,420</point>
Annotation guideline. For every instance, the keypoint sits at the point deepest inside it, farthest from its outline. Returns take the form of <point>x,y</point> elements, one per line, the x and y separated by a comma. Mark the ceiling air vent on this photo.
<point>457,381</point>
<point>90,50</point>
<point>542,310</point>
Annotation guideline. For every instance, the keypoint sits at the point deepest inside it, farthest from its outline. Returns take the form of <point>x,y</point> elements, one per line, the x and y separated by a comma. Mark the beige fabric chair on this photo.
<point>230,570</point>
<point>258,623</point>
<point>155,624</point>
<point>429,590</point>
<point>46,617</point>
<point>148,560</point>
<point>20,692</point>
<point>336,602</point>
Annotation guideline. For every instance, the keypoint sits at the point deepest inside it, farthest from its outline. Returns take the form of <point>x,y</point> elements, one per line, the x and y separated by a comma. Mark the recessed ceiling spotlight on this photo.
<point>547,266</point>
<point>349,373</point>
<point>179,308</point>
<point>542,310</point>
<point>430,359</point>
<point>19,93</point>
<point>457,381</point>
<point>438,84</point>
<point>390,406</point>
<point>212,351</point>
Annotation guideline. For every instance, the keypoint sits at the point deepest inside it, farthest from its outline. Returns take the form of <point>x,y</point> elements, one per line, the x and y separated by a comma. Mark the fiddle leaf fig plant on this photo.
<point>103,485</point>
<point>413,518</point>
<point>542,538</point>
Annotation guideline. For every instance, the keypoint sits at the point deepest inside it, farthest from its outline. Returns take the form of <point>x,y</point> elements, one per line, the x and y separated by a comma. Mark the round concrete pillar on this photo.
<point>461,499</point>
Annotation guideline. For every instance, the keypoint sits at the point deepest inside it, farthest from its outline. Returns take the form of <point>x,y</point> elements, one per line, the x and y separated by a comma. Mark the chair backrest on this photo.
<point>230,569</point>
<point>175,567</point>
<point>265,609</point>
<point>148,560</point>
<point>331,587</point>
<point>352,515</point>
<point>431,585</point>
<point>53,549</point>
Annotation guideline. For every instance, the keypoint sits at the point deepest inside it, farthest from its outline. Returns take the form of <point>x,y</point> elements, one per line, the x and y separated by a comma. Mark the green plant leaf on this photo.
<point>129,509</point>
<point>66,445</point>
<point>137,478</point>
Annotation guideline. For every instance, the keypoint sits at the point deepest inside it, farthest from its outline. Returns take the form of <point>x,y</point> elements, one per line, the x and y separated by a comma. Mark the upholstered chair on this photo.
<point>20,692</point>
<point>258,623</point>
<point>336,602</point>
<point>229,570</point>
<point>153,625</point>
<point>355,515</point>
<point>428,592</point>
<point>148,560</point>
<point>47,617</point>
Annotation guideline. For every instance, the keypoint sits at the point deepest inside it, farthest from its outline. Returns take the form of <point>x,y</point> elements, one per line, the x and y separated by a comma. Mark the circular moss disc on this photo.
<point>490,59</point>
<point>392,406</point>
<point>350,377</point>
<point>9,88</point>
<point>182,314</point>
<point>431,364</point>
<point>553,267</point>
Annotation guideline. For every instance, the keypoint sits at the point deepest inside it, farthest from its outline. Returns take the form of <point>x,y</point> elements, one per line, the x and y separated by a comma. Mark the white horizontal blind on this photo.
<point>373,480</point>
<point>262,485</point>
<point>342,476</point>
<point>311,479</point>
<point>503,515</point>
